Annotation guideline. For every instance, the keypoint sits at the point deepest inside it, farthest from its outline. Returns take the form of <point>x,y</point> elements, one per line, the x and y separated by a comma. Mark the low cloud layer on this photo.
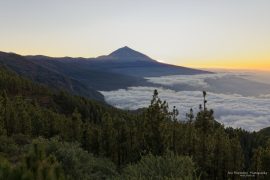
<point>250,113</point>
<point>191,80</point>
<point>221,83</point>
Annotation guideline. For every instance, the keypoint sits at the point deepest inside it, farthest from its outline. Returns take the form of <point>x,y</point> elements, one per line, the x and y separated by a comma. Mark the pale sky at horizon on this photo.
<point>194,33</point>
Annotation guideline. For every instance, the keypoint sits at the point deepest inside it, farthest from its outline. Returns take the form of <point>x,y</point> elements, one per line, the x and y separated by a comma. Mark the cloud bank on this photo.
<point>191,80</point>
<point>250,113</point>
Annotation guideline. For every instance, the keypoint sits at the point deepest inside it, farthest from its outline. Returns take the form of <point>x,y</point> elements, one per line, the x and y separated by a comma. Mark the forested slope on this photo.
<point>45,74</point>
<point>48,134</point>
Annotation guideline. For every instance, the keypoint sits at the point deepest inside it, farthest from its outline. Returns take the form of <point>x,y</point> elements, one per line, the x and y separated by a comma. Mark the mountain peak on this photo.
<point>127,54</point>
<point>126,47</point>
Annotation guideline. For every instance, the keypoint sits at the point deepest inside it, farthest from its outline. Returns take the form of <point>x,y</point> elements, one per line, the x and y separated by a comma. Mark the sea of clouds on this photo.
<point>191,80</point>
<point>234,110</point>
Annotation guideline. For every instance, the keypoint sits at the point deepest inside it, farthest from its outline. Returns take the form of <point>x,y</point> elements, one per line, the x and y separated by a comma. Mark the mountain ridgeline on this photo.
<point>85,76</point>
<point>47,74</point>
<point>50,134</point>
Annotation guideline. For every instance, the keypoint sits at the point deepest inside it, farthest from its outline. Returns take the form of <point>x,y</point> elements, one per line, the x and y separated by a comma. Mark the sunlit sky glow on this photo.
<point>195,33</point>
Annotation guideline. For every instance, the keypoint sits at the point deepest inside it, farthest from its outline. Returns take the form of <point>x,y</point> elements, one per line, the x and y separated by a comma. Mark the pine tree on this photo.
<point>256,165</point>
<point>107,136</point>
<point>38,166</point>
<point>157,117</point>
<point>75,126</point>
<point>175,113</point>
<point>2,120</point>
<point>236,156</point>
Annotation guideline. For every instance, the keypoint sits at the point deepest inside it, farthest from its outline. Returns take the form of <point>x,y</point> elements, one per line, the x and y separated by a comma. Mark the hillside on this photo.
<point>265,132</point>
<point>47,75</point>
<point>89,75</point>
<point>55,135</point>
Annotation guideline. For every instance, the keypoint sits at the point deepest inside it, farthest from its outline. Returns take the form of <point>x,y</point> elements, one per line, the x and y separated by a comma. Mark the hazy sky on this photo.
<point>196,33</point>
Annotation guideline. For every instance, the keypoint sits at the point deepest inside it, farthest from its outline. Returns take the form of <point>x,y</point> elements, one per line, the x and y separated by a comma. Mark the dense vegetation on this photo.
<point>55,135</point>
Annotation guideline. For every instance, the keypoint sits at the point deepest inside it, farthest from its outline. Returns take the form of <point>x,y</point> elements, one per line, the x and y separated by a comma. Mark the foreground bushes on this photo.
<point>169,166</point>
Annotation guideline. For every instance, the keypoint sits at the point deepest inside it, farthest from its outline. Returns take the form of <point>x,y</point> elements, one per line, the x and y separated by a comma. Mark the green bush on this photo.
<point>78,163</point>
<point>169,166</point>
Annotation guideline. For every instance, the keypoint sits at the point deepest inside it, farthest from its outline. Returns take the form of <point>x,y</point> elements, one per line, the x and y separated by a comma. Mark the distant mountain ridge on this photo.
<point>122,68</point>
<point>45,74</point>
